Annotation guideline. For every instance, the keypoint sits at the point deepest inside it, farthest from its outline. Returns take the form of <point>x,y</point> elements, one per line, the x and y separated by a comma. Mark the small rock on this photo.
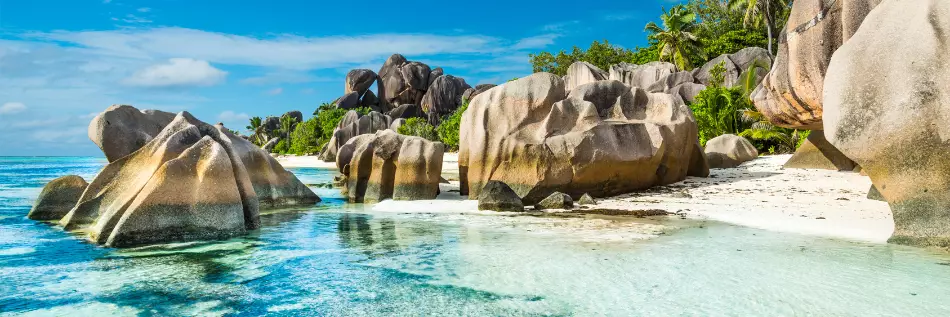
<point>557,200</point>
<point>586,200</point>
<point>498,196</point>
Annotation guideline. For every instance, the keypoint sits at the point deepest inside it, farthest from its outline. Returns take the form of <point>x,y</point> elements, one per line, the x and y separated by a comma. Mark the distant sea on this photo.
<point>338,259</point>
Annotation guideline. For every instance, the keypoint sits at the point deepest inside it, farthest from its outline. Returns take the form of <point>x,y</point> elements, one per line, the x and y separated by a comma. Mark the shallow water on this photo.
<point>337,259</point>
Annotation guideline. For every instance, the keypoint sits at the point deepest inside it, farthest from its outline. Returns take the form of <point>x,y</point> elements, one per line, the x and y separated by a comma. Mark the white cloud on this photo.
<point>178,72</point>
<point>275,91</point>
<point>143,10</point>
<point>12,107</point>
<point>536,41</point>
<point>131,18</point>
<point>284,77</point>
<point>232,116</point>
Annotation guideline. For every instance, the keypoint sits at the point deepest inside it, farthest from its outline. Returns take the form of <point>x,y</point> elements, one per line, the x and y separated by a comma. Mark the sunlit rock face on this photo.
<point>791,94</point>
<point>387,165</point>
<point>191,181</point>
<point>887,104</point>
<point>729,151</point>
<point>603,138</point>
<point>817,153</point>
<point>122,129</point>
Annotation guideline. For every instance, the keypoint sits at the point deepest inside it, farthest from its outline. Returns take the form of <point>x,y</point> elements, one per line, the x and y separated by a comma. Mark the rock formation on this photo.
<point>641,76</point>
<point>556,201</point>
<point>704,76</point>
<point>122,129</point>
<point>817,153</point>
<point>388,165</point>
<point>791,94</point>
<point>444,96</point>
<point>191,181</point>
<point>729,151</point>
<point>402,82</point>
<point>581,73</point>
<point>359,81</point>
<point>497,196</point>
<point>351,126</point>
<point>406,111</point>
<point>605,138</point>
<point>886,104</point>
<point>348,101</point>
<point>57,198</point>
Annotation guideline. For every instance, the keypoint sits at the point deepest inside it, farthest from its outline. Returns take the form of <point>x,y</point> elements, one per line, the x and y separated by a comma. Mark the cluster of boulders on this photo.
<point>387,165</point>
<point>656,77</point>
<point>603,138</point>
<point>498,196</point>
<point>407,89</point>
<point>272,127</point>
<point>169,178</point>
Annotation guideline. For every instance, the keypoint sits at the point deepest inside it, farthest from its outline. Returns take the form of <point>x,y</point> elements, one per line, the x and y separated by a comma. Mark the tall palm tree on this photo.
<point>676,36</point>
<point>758,11</point>
<point>256,129</point>
<point>287,124</point>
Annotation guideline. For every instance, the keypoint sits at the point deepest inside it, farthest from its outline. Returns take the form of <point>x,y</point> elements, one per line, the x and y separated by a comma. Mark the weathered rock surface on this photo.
<point>886,105</point>
<point>444,96</point>
<point>269,146</point>
<point>729,151</point>
<point>688,91</point>
<point>817,153</point>
<point>396,124</point>
<point>370,101</point>
<point>581,73</point>
<point>406,111</point>
<point>497,196</point>
<point>57,198</point>
<point>556,201</point>
<point>388,165</point>
<point>348,101</point>
<point>791,94</point>
<point>641,76</point>
<point>604,138</point>
<point>351,126</point>
<point>586,200</point>
<point>435,74</point>
<point>668,82</point>
<point>359,81</point>
<point>122,129</point>
<point>191,181</point>
<point>703,75</point>
<point>402,82</point>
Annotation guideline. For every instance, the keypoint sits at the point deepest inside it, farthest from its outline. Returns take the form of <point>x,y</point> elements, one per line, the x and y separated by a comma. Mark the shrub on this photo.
<point>419,127</point>
<point>281,147</point>
<point>305,139</point>
<point>450,128</point>
<point>328,116</point>
<point>718,111</point>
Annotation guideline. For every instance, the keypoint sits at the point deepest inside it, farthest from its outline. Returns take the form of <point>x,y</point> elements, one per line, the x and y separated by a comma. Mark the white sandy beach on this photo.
<point>759,194</point>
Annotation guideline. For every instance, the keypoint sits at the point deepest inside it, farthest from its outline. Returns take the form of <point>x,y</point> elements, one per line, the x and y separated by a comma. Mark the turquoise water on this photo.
<point>341,260</point>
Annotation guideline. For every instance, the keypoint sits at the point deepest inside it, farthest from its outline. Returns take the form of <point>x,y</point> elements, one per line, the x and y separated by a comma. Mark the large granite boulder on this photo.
<point>791,94</point>
<point>297,115</point>
<point>435,74</point>
<point>605,138</point>
<point>497,196</point>
<point>641,76</point>
<point>388,165</point>
<point>729,151</point>
<point>444,96</point>
<point>122,129</point>
<point>886,104</point>
<point>370,101</point>
<point>688,91</point>
<point>402,82</point>
<point>348,101</point>
<point>668,82</point>
<point>359,81</point>
<point>817,153</point>
<point>581,73</point>
<point>480,88</point>
<point>57,198</point>
<point>270,124</point>
<point>349,128</point>
<point>191,181</point>
<point>704,76</point>
<point>406,111</point>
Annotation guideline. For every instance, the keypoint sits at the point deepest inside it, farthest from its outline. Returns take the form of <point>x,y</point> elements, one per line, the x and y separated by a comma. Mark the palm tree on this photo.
<point>256,129</point>
<point>757,11</point>
<point>287,124</point>
<point>676,37</point>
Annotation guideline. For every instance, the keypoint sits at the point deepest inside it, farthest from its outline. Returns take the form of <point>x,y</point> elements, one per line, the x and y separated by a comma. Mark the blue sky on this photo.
<point>63,61</point>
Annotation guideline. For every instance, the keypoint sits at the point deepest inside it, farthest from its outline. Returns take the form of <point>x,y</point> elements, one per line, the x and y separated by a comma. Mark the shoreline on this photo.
<point>758,194</point>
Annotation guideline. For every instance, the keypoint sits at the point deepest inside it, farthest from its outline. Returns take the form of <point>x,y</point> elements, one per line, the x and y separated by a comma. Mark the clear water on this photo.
<point>338,260</point>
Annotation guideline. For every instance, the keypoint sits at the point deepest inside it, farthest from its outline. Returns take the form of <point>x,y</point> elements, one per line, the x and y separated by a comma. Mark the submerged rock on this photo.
<point>57,198</point>
<point>388,165</point>
<point>729,151</point>
<point>604,138</point>
<point>497,196</point>
<point>191,181</point>
<point>885,107</point>
<point>556,201</point>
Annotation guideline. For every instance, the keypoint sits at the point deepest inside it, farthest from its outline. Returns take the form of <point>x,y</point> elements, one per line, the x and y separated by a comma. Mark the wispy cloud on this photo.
<point>143,10</point>
<point>177,72</point>
<point>12,107</point>
<point>539,41</point>
<point>275,91</point>
<point>284,77</point>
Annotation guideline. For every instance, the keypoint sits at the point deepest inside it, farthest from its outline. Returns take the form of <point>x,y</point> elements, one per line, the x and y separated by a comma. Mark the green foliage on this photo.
<point>730,42</point>
<point>803,135</point>
<point>305,139</point>
<point>282,147</point>
<point>256,131</point>
<point>419,127</point>
<point>328,116</point>
<point>717,112</point>
<point>450,127</point>
<point>599,54</point>
<point>678,42</point>
<point>718,74</point>
<point>767,137</point>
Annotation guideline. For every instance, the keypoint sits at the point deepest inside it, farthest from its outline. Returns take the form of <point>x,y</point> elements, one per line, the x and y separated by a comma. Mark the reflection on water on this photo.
<point>337,259</point>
